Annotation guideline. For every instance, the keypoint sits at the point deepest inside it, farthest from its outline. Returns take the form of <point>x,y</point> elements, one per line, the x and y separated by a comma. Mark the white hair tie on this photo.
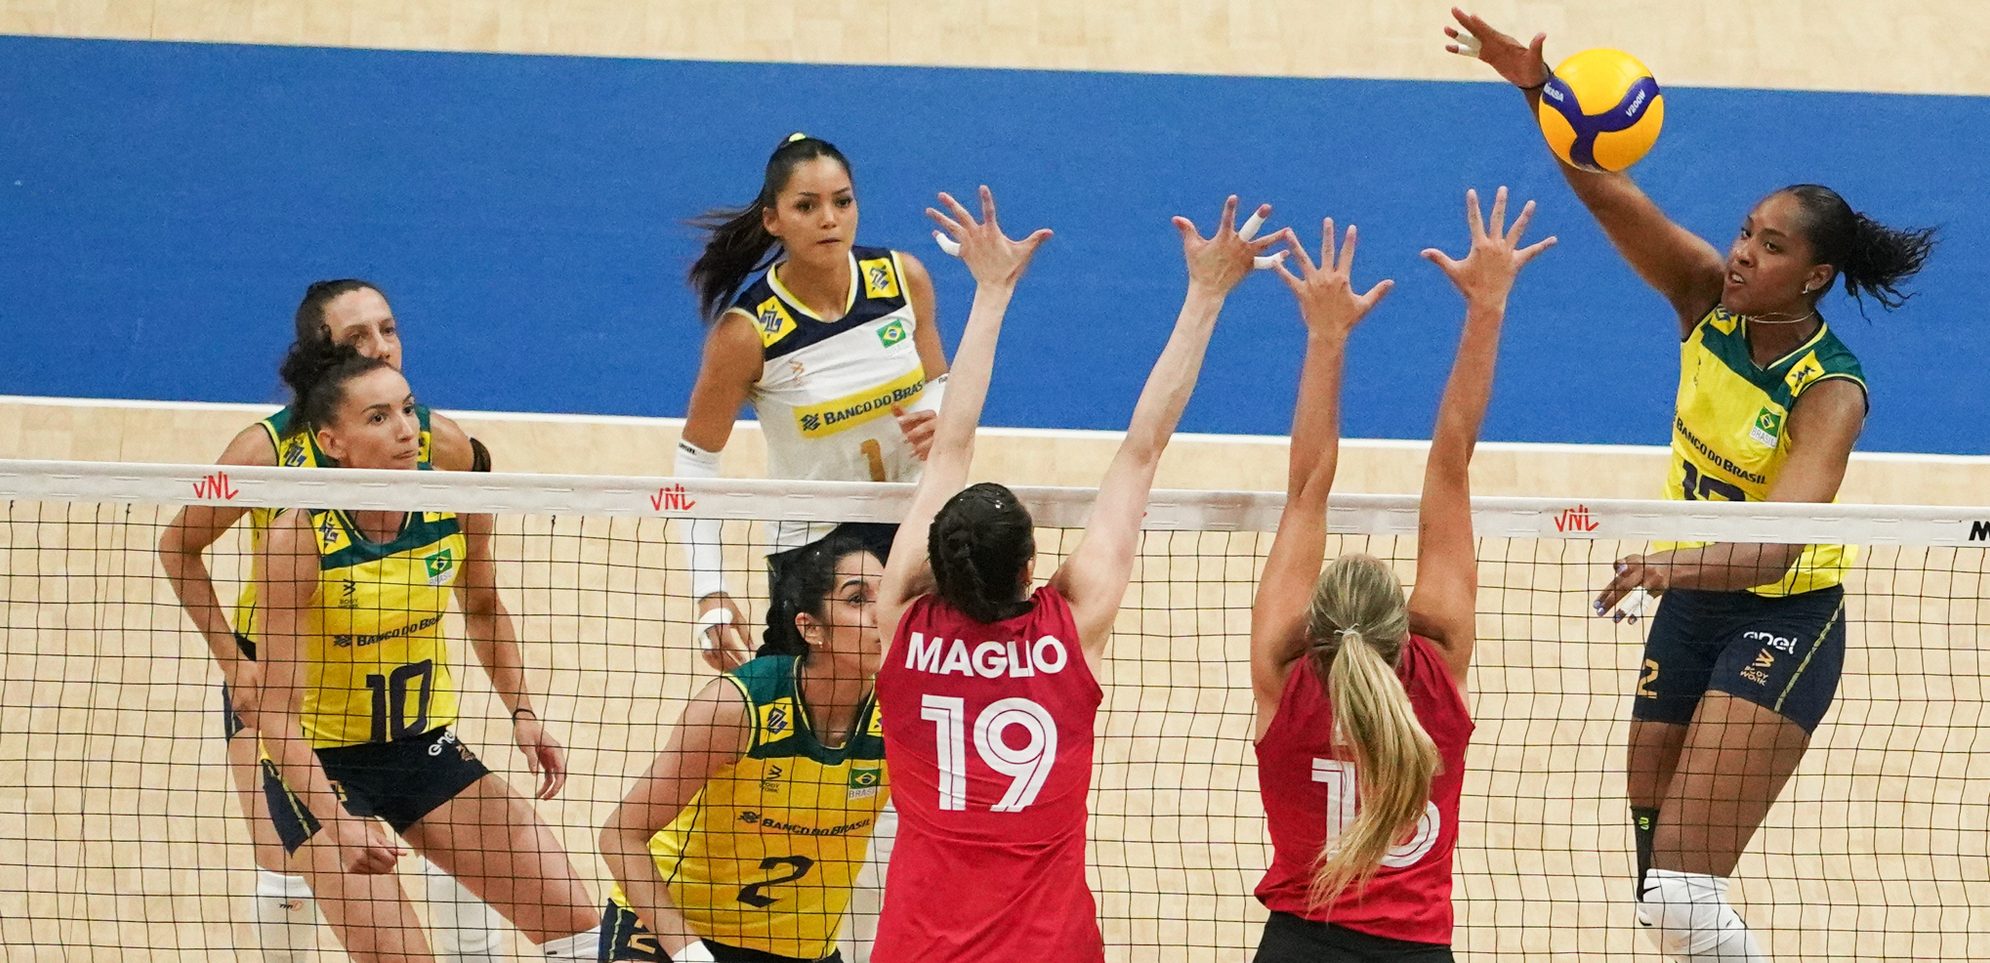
<point>1347,634</point>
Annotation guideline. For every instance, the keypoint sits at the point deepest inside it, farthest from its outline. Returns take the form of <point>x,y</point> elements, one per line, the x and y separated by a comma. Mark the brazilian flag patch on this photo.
<point>891,333</point>
<point>439,565</point>
<point>865,780</point>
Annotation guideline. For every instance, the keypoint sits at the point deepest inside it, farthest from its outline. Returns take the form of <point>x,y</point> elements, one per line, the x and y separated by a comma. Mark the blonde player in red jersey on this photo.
<point>989,690</point>
<point>1361,716</point>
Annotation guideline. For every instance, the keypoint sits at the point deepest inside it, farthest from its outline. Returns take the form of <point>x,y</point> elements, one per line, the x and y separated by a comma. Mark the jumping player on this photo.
<point>1744,656</point>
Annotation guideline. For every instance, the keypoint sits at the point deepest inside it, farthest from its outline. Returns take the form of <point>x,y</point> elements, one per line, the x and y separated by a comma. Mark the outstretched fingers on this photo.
<point>1497,227</point>
<point>1344,263</point>
<point>1229,221</point>
<point>1527,253</point>
<point>987,205</point>
<point>1473,215</point>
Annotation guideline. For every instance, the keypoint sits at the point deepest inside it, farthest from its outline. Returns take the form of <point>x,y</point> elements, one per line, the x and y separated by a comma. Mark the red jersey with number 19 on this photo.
<point>1309,789</point>
<point>988,738</point>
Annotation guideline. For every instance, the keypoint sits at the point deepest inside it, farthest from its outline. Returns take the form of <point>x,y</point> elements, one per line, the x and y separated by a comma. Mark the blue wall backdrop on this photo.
<point>163,205</point>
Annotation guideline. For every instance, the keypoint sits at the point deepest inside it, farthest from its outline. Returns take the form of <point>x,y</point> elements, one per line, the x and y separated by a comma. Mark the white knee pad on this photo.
<point>285,917</point>
<point>1691,921</point>
<point>463,928</point>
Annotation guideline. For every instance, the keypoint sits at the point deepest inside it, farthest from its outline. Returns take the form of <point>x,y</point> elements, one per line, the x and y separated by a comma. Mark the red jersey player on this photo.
<point>1361,717</point>
<point>989,691</point>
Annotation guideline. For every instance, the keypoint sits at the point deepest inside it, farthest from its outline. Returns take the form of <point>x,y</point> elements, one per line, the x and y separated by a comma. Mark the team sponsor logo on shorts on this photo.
<point>1767,428</point>
<point>880,281</point>
<point>1770,640</point>
<point>1758,671</point>
<point>892,333</point>
<point>852,410</point>
<point>865,781</point>
<point>773,321</point>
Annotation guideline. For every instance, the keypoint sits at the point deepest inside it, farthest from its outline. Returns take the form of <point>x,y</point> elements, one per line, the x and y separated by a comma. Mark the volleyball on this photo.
<point>1601,110</point>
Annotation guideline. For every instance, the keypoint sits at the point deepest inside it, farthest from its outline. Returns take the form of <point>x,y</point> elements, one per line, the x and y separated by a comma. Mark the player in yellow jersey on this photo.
<point>351,312</point>
<point>743,840</point>
<point>357,696</point>
<point>1744,656</point>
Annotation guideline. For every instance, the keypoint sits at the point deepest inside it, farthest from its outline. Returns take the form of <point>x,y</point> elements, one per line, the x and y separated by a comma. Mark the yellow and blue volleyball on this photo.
<point>1601,110</point>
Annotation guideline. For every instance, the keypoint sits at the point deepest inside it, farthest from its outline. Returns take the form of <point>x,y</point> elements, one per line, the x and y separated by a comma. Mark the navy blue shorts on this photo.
<point>231,724</point>
<point>1289,939</point>
<point>400,782</point>
<point>1783,653</point>
<point>624,937</point>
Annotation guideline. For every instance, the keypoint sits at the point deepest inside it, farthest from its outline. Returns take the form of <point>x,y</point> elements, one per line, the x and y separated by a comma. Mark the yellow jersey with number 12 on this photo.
<point>1730,428</point>
<point>378,666</point>
<point>764,856</point>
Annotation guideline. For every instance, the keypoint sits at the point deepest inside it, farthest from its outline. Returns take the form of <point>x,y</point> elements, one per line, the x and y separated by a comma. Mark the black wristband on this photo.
<point>1550,75</point>
<point>524,709</point>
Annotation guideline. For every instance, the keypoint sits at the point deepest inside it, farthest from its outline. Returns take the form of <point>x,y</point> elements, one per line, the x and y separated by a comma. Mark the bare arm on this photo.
<point>288,590</point>
<point>998,264</point>
<point>449,444</point>
<point>714,733</point>
<point>919,424</point>
<point>726,375</point>
<point>494,638</point>
<point>925,307</point>
<point>181,555</point>
<point>1677,263</point>
<point>1823,429</point>
<point>1094,577</point>
<point>1443,606</point>
<point>1330,308</point>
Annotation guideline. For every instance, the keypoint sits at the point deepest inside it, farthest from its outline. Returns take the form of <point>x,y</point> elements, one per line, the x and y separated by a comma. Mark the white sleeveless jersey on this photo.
<point>827,388</point>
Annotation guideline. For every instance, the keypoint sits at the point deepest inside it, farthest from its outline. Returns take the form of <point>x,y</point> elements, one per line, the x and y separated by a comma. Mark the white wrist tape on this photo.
<point>707,621</point>
<point>705,548</point>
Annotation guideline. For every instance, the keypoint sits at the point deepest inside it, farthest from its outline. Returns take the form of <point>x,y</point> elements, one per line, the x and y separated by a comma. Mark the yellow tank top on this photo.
<point>293,450</point>
<point>764,856</point>
<point>378,666</point>
<point>1729,430</point>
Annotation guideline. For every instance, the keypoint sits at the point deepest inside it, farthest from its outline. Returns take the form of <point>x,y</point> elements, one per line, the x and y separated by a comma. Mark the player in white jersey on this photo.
<point>835,347</point>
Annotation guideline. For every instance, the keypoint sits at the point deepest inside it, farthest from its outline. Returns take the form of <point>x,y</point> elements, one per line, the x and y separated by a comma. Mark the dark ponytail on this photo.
<point>737,243</point>
<point>802,586</point>
<point>316,371</point>
<point>980,541</point>
<point>311,325</point>
<point>1873,259</point>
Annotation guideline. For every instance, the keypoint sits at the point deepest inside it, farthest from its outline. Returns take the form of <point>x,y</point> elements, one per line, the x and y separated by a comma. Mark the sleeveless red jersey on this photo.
<point>988,738</point>
<point>1309,785</point>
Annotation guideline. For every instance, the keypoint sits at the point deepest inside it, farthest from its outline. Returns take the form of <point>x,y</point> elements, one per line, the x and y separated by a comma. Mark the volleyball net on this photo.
<point>120,830</point>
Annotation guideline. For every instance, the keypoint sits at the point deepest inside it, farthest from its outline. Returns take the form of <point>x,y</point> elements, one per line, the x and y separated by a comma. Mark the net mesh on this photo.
<point>120,832</point>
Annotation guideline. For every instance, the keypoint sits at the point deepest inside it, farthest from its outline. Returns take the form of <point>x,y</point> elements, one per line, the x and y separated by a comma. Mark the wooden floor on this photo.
<point>113,793</point>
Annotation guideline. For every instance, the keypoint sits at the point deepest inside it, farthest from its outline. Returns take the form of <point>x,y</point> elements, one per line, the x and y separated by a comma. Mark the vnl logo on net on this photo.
<point>674,498</point>
<point>1577,519</point>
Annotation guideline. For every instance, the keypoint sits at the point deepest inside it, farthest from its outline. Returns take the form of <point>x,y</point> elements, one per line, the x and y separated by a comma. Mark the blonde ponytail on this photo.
<point>1359,621</point>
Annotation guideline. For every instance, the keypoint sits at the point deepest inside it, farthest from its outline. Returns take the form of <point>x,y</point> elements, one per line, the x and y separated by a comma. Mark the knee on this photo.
<point>1687,914</point>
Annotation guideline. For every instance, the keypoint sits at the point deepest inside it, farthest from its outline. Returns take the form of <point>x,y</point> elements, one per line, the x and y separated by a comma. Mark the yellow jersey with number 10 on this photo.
<point>294,449</point>
<point>1730,433</point>
<point>378,666</point>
